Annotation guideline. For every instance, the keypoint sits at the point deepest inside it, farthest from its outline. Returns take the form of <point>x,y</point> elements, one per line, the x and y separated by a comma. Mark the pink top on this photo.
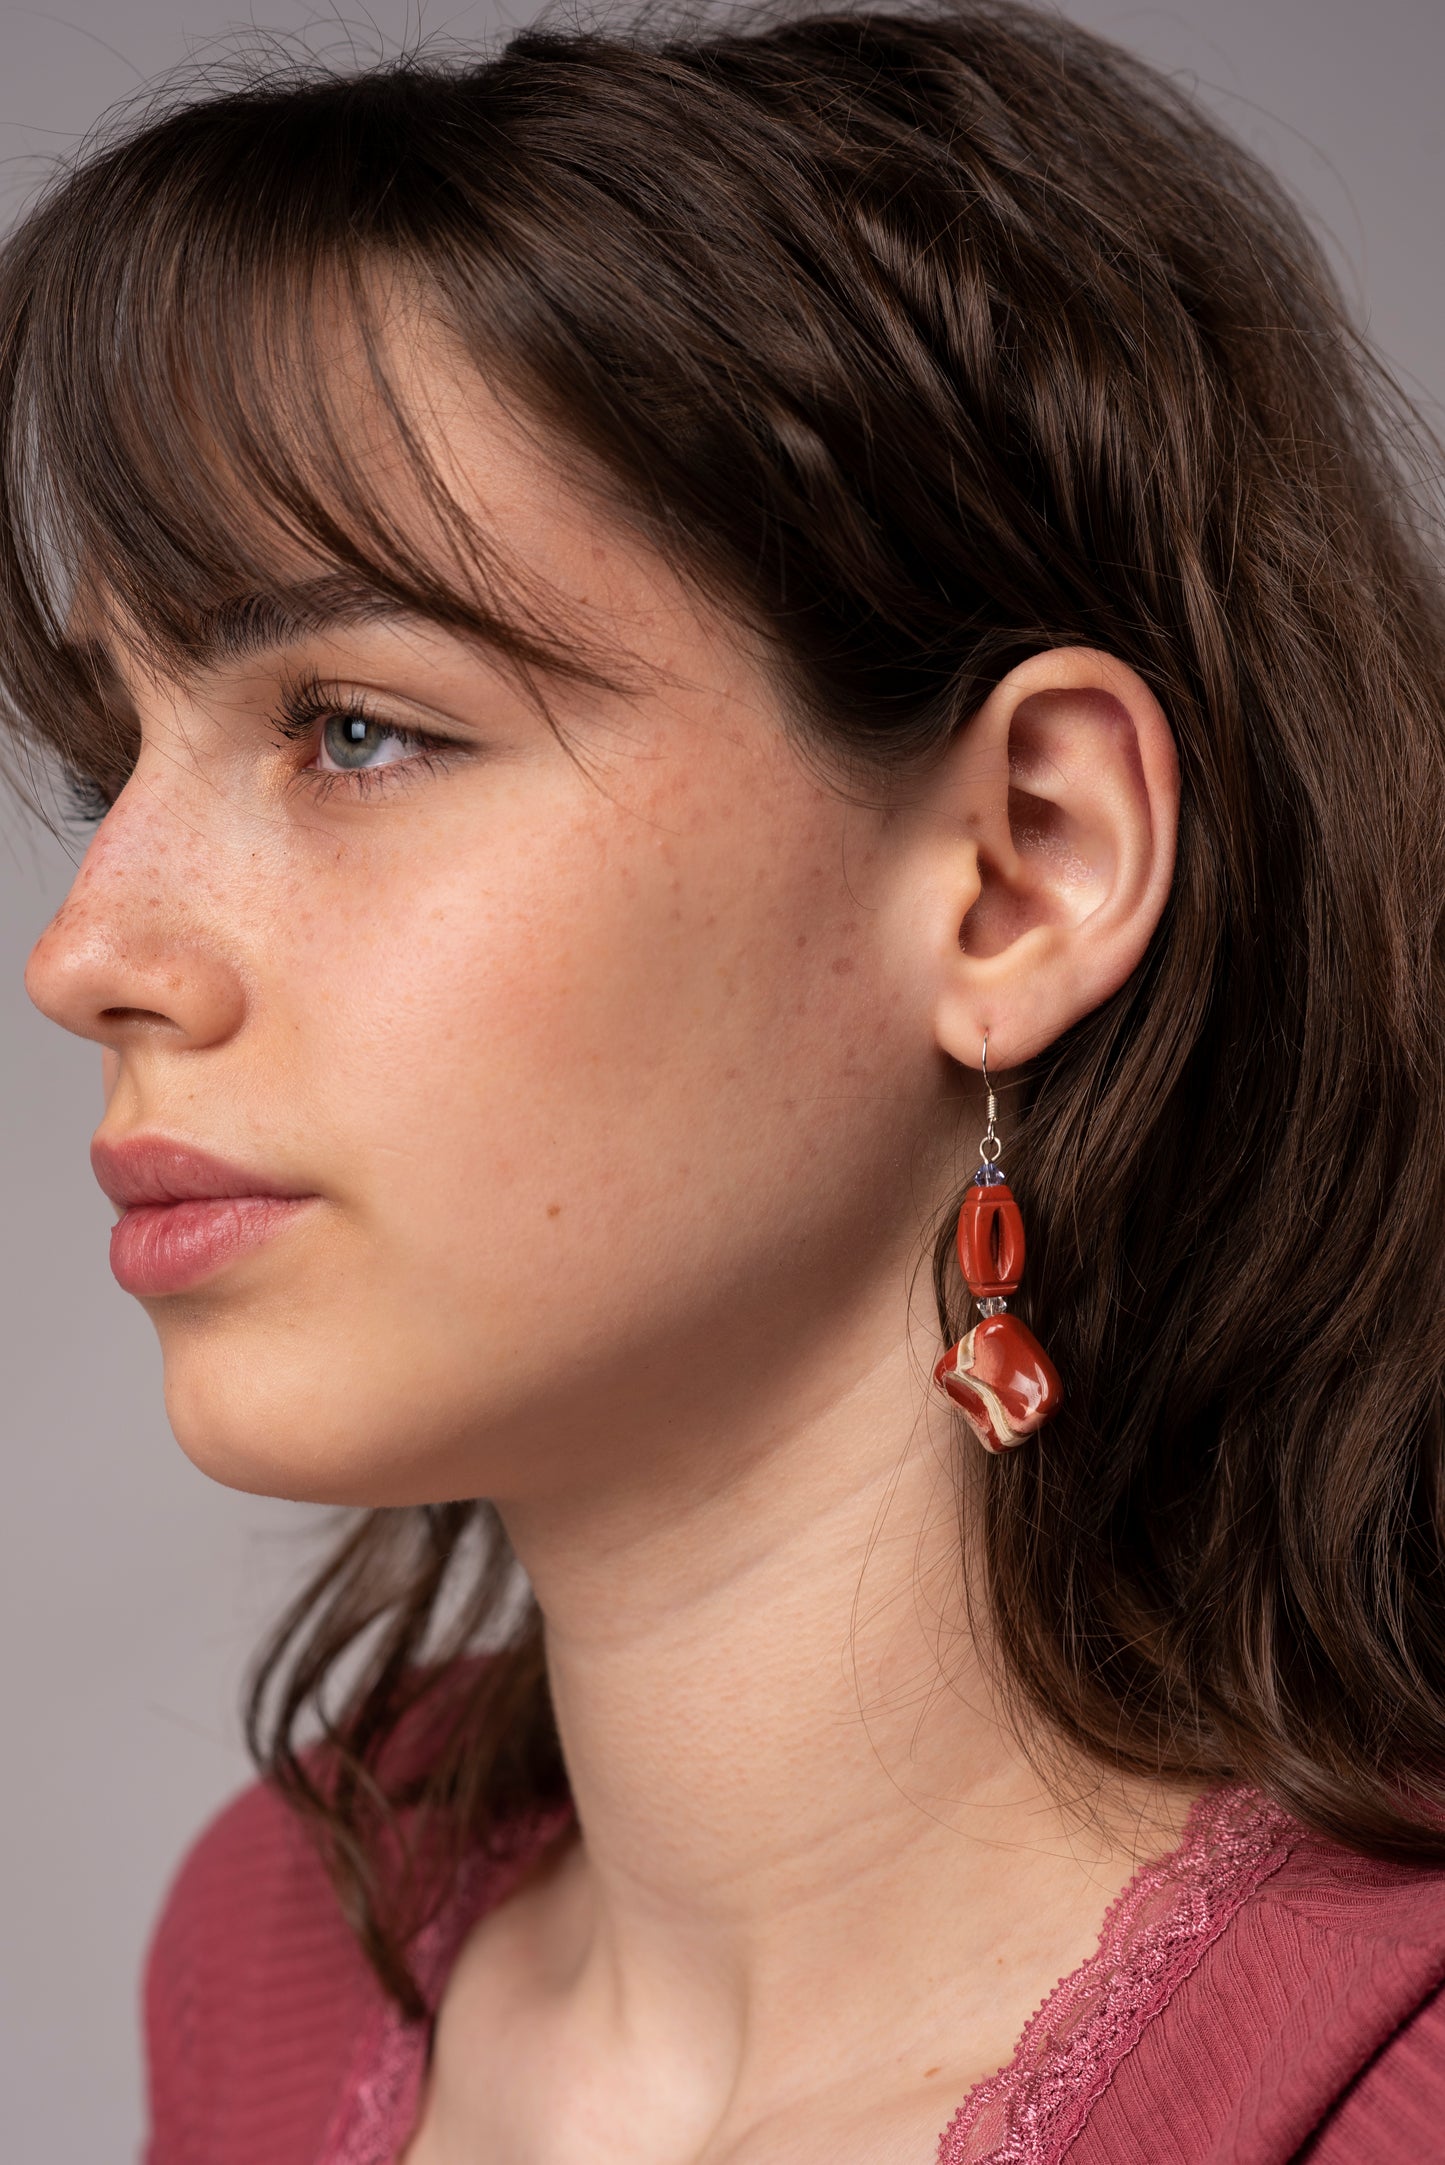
<point>1258,1996</point>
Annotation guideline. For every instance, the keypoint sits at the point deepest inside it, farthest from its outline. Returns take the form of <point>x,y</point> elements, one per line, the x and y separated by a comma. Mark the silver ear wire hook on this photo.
<point>989,1133</point>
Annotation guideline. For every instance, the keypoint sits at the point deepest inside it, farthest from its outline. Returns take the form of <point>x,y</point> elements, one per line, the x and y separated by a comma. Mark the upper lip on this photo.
<point>156,1169</point>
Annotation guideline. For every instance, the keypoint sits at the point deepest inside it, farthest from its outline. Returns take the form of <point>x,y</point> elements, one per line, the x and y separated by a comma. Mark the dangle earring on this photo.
<point>998,1376</point>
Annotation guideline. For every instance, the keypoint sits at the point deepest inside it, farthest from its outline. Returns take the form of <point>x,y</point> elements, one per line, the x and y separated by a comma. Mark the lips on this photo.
<point>185,1214</point>
<point>152,1169</point>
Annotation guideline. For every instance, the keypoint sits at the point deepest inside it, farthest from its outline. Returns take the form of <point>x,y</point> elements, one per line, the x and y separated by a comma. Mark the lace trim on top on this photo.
<point>1154,1934</point>
<point>377,2109</point>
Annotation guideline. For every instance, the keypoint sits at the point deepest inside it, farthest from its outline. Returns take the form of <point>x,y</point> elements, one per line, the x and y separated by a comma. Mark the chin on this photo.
<point>250,1426</point>
<point>262,1459</point>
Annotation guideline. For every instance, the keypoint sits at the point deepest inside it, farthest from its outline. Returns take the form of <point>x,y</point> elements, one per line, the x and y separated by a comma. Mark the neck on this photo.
<point>777,1728</point>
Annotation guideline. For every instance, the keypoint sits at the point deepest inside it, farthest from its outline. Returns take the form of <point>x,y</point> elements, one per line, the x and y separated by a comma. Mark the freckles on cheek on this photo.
<point>529,978</point>
<point>456,968</point>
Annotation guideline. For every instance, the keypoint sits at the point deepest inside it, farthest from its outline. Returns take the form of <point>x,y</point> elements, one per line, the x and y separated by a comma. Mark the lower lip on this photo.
<point>160,1248</point>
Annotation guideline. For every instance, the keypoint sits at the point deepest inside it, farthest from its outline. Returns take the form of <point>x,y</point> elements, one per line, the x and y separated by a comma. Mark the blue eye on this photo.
<point>352,741</point>
<point>344,737</point>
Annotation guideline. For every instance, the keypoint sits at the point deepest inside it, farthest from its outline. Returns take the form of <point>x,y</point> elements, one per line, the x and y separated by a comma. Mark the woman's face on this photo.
<point>598,1083</point>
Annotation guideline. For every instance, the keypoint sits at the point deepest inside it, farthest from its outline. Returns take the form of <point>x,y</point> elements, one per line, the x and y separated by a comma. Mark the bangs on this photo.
<point>201,409</point>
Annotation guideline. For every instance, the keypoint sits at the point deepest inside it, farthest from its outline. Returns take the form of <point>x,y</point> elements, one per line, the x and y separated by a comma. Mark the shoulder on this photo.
<point>1364,1941</point>
<point>253,1988</point>
<point>1310,2027</point>
<point>254,1845</point>
<point>1367,1901</point>
<point>256,1990</point>
<point>1394,2109</point>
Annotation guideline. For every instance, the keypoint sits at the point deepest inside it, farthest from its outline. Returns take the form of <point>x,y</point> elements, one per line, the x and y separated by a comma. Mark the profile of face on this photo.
<point>587,1097</point>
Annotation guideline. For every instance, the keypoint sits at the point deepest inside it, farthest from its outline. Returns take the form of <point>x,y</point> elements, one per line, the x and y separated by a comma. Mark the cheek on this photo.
<point>602,1060</point>
<point>597,1099</point>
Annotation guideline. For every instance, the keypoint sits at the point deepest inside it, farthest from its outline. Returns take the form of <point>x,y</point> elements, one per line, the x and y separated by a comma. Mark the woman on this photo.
<point>726,672</point>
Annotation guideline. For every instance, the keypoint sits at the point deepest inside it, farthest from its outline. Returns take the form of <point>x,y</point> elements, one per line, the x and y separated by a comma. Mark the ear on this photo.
<point>1061,799</point>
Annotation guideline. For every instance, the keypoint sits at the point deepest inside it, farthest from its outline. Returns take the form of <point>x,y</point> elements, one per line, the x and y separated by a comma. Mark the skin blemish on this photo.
<point>554,1210</point>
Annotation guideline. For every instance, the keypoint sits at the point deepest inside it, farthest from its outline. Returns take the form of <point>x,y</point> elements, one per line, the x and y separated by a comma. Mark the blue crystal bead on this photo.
<point>988,1176</point>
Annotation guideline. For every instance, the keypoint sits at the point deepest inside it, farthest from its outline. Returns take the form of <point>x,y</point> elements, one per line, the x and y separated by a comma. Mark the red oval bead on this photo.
<point>1001,1380</point>
<point>990,1241</point>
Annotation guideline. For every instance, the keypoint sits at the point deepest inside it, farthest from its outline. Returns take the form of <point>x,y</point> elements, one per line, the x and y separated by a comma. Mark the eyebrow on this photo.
<point>263,620</point>
<point>271,617</point>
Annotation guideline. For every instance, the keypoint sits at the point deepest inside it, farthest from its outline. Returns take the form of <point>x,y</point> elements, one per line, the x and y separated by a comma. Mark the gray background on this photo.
<point>133,1588</point>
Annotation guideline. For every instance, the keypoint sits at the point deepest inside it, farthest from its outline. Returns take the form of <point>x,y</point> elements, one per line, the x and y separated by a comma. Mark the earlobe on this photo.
<point>1067,780</point>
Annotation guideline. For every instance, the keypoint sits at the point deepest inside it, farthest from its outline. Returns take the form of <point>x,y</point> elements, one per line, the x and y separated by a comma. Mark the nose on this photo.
<point>130,954</point>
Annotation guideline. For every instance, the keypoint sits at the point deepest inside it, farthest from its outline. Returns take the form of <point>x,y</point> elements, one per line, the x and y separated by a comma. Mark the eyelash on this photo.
<point>305,704</point>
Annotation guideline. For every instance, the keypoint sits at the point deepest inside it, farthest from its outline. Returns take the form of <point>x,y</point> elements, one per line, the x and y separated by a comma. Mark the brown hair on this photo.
<point>923,338</point>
